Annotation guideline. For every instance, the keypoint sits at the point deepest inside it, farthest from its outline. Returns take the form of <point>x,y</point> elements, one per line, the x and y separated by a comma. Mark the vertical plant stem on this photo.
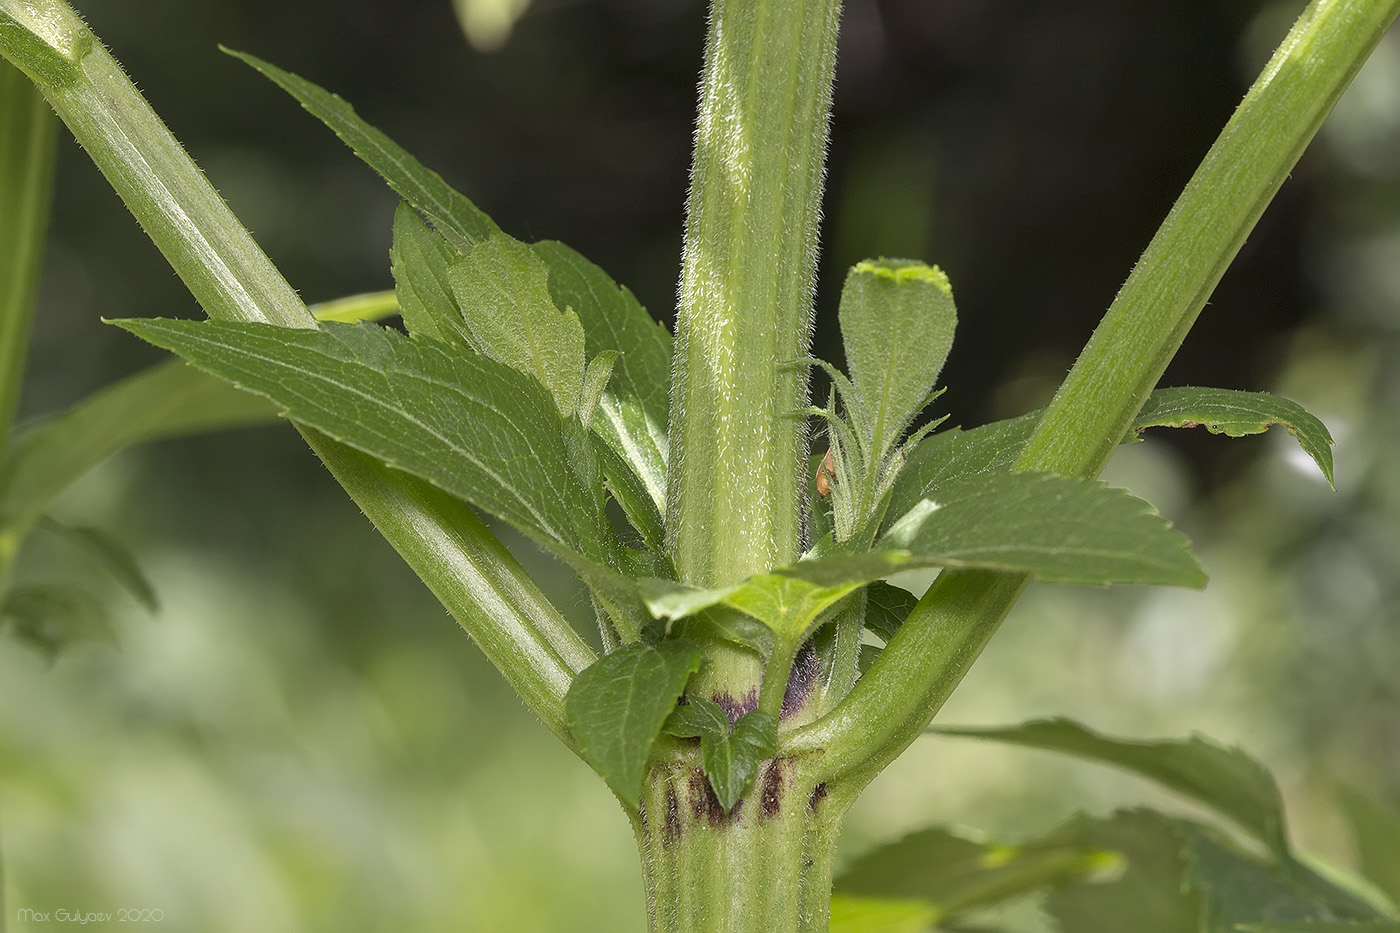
<point>1141,332</point>
<point>28,132</point>
<point>483,587</point>
<point>746,288</point>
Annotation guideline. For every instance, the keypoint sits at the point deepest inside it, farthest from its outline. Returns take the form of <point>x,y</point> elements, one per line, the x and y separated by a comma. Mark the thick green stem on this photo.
<point>746,289</point>
<point>764,867</point>
<point>1113,377</point>
<point>488,593</point>
<point>27,138</point>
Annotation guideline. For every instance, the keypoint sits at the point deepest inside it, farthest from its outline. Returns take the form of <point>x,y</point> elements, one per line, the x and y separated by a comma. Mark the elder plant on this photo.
<point>757,669</point>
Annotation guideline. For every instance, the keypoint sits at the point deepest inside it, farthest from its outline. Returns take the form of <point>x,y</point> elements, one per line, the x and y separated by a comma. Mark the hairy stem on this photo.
<point>746,289</point>
<point>1138,337</point>
<point>483,587</point>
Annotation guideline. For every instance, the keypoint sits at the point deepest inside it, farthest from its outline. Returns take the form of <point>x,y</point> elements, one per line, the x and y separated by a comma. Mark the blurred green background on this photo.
<point>302,740</point>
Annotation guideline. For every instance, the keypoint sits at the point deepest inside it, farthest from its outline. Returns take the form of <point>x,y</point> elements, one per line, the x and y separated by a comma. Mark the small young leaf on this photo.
<point>455,217</point>
<point>419,260</point>
<point>698,716</point>
<point>897,322</point>
<point>731,759</point>
<point>502,288</point>
<point>954,873</point>
<point>595,381</point>
<point>617,706</point>
<point>787,604</point>
<point>876,915</point>
<point>628,490</point>
<point>886,608</point>
<point>1061,530</point>
<point>465,423</point>
<point>113,556</point>
<point>1224,779</point>
<point>634,409</point>
<point>1234,413</point>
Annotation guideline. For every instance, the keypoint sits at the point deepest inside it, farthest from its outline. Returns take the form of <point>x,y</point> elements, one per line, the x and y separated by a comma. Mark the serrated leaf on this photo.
<point>698,716</point>
<point>1376,831</point>
<point>1234,413</point>
<point>878,915</point>
<point>954,455</point>
<point>897,323</point>
<point>473,427</point>
<point>1059,529</point>
<point>165,401</point>
<point>53,617</point>
<point>731,758</point>
<point>419,260</point>
<point>502,288</point>
<point>114,558</point>
<point>1147,895</point>
<point>954,873</point>
<point>617,706</point>
<point>634,410</point>
<point>1224,779</point>
<point>886,608</point>
<point>454,216</point>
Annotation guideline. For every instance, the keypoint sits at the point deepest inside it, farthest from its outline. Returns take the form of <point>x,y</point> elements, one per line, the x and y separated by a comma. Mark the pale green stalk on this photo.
<point>483,587</point>
<point>928,657</point>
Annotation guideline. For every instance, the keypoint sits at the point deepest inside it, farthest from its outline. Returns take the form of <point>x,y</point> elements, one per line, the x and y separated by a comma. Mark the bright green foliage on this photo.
<point>876,915</point>
<point>420,259</point>
<point>897,322</point>
<point>1224,779</point>
<point>634,411</point>
<point>698,716</point>
<point>617,706</point>
<point>508,315</point>
<point>952,873</point>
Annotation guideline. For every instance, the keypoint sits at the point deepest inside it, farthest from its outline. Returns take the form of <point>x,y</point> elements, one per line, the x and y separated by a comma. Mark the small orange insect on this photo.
<point>825,474</point>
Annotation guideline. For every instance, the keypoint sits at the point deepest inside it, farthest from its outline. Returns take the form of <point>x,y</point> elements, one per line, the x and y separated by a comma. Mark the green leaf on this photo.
<point>787,604</point>
<point>595,381</point>
<point>954,455</point>
<point>876,915</point>
<point>634,409</point>
<point>954,873</point>
<point>1237,889</point>
<point>1224,779</point>
<point>617,706</point>
<point>1234,413</point>
<point>698,716</point>
<point>731,758</point>
<point>113,556</point>
<point>502,288</point>
<point>455,217</point>
<point>420,259</point>
<point>1059,529</point>
<point>465,423</point>
<point>886,608</point>
<point>165,401</point>
<point>1146,895</point>
<point>897,322</point>
<point>1376,831</point>
<point>53,617</point>
<point>627,488</point>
